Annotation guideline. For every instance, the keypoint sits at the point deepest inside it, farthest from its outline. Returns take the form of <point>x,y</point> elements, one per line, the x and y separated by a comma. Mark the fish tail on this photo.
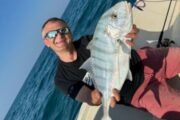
<point>106,114</point>
<point>106,104</point>
<point>106,117</point>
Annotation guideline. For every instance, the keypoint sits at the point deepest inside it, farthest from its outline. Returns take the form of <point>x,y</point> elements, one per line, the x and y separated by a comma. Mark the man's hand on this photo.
<point>115,98</point>
<point>96,97</point>
<point>132,35</point>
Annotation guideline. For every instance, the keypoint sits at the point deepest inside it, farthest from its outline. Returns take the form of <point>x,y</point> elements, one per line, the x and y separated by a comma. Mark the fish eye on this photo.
<point>114,15</point>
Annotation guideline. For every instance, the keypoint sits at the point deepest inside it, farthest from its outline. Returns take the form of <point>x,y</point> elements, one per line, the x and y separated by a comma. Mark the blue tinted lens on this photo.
<point>63,30</point>
<point>51,34</point>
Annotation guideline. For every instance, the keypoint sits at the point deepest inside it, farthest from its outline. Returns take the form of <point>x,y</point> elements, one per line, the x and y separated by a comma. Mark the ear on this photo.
<point>47,43</point>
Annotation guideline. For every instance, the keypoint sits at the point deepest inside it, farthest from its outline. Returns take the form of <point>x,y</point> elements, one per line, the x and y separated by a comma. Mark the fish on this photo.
<point>108,64</point>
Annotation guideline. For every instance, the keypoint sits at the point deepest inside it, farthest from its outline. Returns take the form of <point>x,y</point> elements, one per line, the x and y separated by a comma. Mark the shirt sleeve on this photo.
<point>84,94</point>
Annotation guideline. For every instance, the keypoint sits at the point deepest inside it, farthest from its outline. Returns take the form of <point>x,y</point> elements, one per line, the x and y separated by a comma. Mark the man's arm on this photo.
<point>92,97</point>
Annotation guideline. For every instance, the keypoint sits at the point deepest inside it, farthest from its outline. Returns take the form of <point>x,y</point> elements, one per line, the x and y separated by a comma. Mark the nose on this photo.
<point>59,36</point>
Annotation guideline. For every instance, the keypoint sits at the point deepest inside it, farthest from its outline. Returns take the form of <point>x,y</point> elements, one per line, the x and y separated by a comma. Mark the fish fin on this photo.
<point>89,46</point>
<point>87,65</point>
<point>88,79</point>
<point>129,75</point>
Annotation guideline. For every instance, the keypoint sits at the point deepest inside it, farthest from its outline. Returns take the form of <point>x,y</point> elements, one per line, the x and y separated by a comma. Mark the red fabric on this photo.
<point>155,95</point>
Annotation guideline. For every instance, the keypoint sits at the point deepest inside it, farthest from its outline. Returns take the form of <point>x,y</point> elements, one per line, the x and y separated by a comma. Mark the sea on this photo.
<point>38,98</point>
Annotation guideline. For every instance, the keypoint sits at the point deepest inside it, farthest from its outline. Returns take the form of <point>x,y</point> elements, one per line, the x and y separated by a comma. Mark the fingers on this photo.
<point>113,102</point>
<point>115,98</point>
<point>96,97</point>
<point>116,94</point>
<point>132,35</point>
<point>134,29</point>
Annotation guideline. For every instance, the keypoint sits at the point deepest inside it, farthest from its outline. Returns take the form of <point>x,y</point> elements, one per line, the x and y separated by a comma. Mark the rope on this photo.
<point>162,31</point>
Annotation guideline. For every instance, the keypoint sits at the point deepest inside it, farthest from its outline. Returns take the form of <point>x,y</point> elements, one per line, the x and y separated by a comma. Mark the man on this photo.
<point>57,36</point>
<point>150,69</point>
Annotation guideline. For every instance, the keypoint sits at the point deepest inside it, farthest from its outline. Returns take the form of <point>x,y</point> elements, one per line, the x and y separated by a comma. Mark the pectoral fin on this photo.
<point>87,65</point>
<point>89,46</point>
<point>129,75</point>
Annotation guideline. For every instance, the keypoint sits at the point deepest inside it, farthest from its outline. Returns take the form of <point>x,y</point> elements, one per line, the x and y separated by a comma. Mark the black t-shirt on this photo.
<point>69,77</point>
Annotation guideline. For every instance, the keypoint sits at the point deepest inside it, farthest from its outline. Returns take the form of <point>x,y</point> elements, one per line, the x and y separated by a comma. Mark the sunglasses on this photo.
<point>53,34</point>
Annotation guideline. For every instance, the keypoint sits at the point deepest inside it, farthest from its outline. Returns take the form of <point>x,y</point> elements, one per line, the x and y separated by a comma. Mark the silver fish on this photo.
<point>110,54</point>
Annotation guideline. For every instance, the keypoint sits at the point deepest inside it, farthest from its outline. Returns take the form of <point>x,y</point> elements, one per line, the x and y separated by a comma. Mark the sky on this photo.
<point>21,42</point>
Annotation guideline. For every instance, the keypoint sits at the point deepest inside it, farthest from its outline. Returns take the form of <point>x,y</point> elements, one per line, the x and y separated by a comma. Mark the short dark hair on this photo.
<point>53,19</point>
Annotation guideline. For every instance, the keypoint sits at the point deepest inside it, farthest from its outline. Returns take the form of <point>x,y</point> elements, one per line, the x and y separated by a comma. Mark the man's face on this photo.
<point>55,37</point>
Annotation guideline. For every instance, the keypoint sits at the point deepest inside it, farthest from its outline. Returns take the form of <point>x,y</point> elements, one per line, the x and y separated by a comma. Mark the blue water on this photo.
<point>38,99</point>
